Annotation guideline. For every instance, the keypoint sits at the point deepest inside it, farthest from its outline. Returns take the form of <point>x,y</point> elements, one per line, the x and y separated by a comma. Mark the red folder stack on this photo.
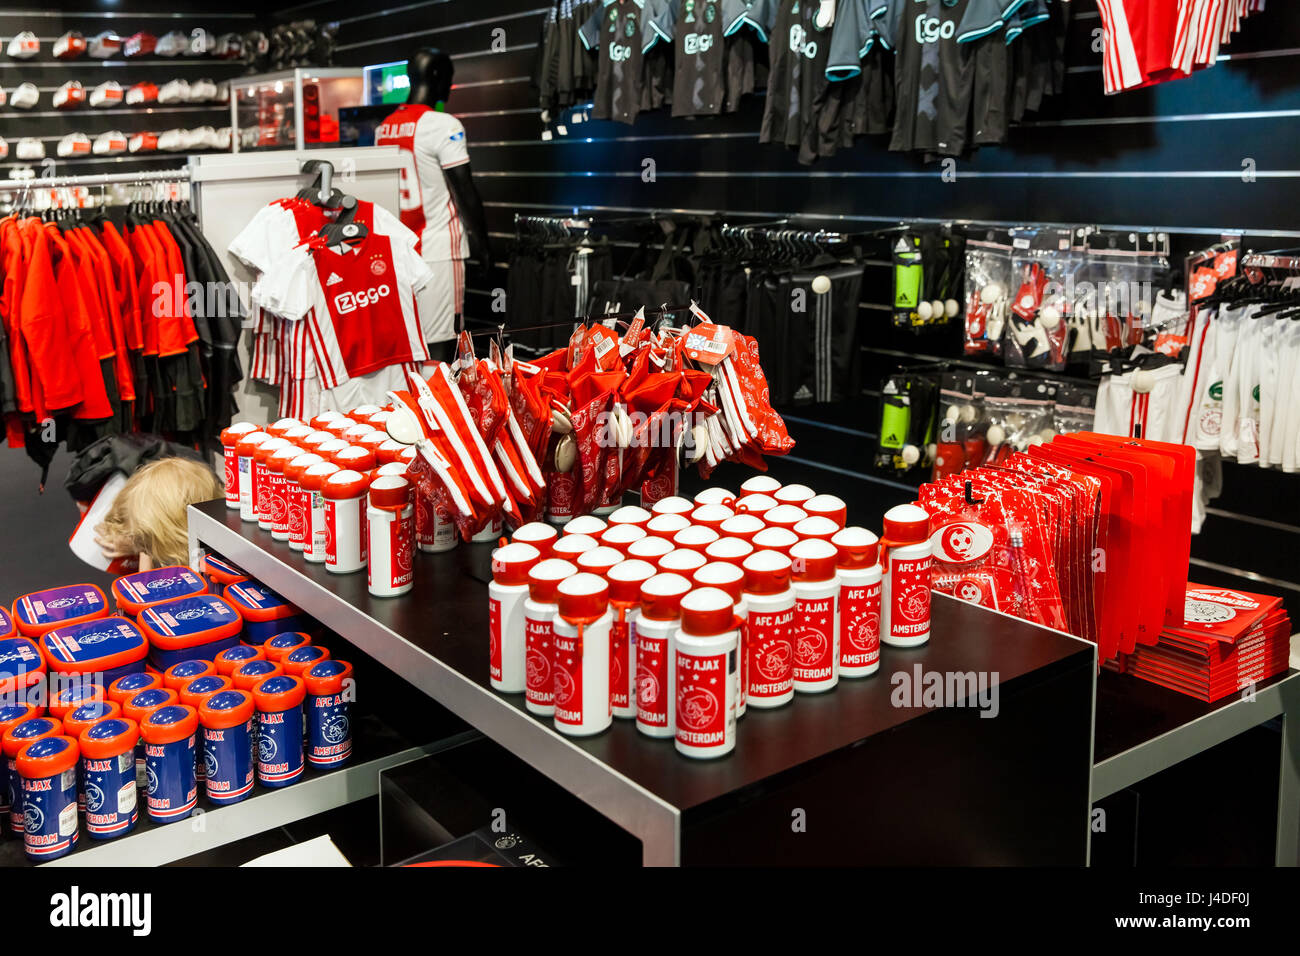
<point>1227,641</point>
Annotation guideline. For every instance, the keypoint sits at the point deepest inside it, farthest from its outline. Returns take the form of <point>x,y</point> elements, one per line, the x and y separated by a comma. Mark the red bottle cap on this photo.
<point>280,458</point>
<point>216,685</point>
<point>711,516</point>
<point>620,536</point>
<point>858,548</point>
<point>599,560</point>
<point>278,646</point>
<point>784,516</point>
<point>297,433</point>
<point>512,562</point>
<point>166,725</point>
<point>328,449</point>
<point>253,672</point>
<point>775,539</point>
<point>625,580</point>
<point>667,525</point>
<point>630,514</point>
<point>327,678</point>
<point>827,506</point>
<point>755,504</point>
<point>813,560</point>
<point>545,576</point>
<point>721,575</point>
<point>362,412</point>
<point>816,526</point>
<point>397,468</point>
<point>49,759</point>
<point>695,538</point>
<point>708,611</point>
<point>585,524</point>
<point>313,479</point>
<point>582,598</point>
<point>538,534</point>
<point>298,466</point>
<point>104,747</point>
<point>279,692</point>
<point>572,545</point>
<point>650,549</point>
<point>300,659</point>
<point>345,484</point>
<point>83,693</point>
<point>390,493</point>
<point>672,505</point>
<point>25,731</point>
<point>338,426</point>
<point>906,524</point>
<point>760,485</point>
<point>128,685</point>
<point>143,704</point>
<point>248,444</point>
<point>237,709</point>
<point>268,448</point>
<point>358,432</point>
<point>73,726</point>
<point>661,596</point>
<point>230,436</point>
<point>283,425</point>
<point>682,561</point>
<point>314,440</point>
<point>767,572</point>
<point>389,451</point>
<point>354,457</point>
<point>793,494</point>
<point>242,653</point>
<point>29,711</point>
<point>374,441</point>
<point>324,418</point>
<point>732,550</point>
<point>743,526</point>
<point>714,495</point>
<point>188,671</point>
<point>379,419</point>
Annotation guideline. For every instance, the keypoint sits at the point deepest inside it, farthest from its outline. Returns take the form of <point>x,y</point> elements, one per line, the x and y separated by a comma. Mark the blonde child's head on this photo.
<point>149,517</point>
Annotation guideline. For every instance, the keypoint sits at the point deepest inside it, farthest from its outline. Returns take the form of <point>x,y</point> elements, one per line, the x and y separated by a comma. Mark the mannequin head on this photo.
<point>430,71</point>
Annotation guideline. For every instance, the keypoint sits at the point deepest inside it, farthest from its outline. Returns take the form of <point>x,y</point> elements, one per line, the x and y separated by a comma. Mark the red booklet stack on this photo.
<point>1228,640</point>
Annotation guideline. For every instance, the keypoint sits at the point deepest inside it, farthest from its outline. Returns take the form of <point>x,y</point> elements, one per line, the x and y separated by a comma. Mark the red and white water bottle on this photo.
<point>390,533</point>
<point>297,501</point>
<point>313,484</point>
<point>770,637</point>
<point>625,580</point>
<point>729,577</point>
<point>245,460</point>
<point>229,447</point>
<point>539,633</point>
<point>582,639</point>
<point>265,505</point>
<point>540,535</point>
<point>345,523</point>
<point>858,564</point>
<point>276,464</point>
<point>507,648</point>
<point>905,554</point>
<point>816,616</point>
<point>705,684</point>
<point>656,645</point>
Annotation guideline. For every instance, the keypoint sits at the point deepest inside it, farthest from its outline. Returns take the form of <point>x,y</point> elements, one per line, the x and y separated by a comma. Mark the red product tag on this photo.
<point>814,646</point>
<point>1203,283</point>
<point>618,662</point>
<point>604,344</point>
<point>860,625</point>
<point>702,699</point>
<point>771,653</point>
<point>568,680</point>
<point>652,681</point>
<point>539,678</point>
<point>1225,264</point>
<point>709,344</point>
<point>494,638</point>
<point>909,588</point>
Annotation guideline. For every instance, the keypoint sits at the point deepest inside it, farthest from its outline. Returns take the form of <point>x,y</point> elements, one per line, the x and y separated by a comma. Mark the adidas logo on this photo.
<point>334,279</point>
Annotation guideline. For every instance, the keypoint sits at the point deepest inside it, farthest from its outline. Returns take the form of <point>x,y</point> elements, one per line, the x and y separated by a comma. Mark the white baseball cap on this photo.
<point>172,44</point>
<point>69,46</point>
<point>223,138</point>
<point>24,46</point>
<point>171,140</point>
<point>74,144</point>
<point>202,91</point>
<point>30,148</point>
<point>69,96</point>
<point>25,96</point>
<point>144,92</point>
<point>103,45</point>
<point>143,142</point>
<point>176,91</point>
<point>110,143</point>
<point>106,95</point>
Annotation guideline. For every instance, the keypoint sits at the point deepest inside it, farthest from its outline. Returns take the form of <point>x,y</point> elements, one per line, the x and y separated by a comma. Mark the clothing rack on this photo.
<point>1268,260</point>
<point>101,179</point>
<point>618,316</point>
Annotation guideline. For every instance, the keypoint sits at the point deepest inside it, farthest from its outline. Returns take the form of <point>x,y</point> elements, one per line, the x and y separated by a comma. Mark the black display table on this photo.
<point>843,777</point>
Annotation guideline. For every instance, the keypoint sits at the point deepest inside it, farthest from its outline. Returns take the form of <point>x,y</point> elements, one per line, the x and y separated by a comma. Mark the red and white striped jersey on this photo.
<point>358,305</point>
<point>430,142</point>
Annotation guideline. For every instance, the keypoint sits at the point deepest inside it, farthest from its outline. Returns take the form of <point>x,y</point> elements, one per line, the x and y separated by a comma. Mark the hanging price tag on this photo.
<point>1203,283</point>
<point>709,344</point>
<point>604,342</point>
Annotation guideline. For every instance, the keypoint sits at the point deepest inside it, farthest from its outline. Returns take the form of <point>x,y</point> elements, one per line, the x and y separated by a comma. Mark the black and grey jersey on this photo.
<point>859,64</point>
<point>695,29</point>
<point>616,29</point>
<point>935,47</point>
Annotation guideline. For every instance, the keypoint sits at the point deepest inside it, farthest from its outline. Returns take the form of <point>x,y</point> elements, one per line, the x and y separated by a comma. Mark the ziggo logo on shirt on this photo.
<point>350,301</point>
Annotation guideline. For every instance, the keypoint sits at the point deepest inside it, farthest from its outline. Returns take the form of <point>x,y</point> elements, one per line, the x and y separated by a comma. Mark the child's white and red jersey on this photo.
<point>358,305</point>
<point>430,141</point>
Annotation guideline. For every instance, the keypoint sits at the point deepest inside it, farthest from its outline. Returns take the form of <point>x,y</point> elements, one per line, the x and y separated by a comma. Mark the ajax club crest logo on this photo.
<point>810,647</point>
<point>1206,612</point>
<point>773,661</point>
<point>152,776</point>
<point>864,634</point>
<point>538,668</point>
<point>914,604</point>
<point>189,614</point>
<point>33,818</point>
<point>94,797</point>
<point>266,748</point>
<point>58,604</point>
<point>697,709</point>
<point>210,765</point>
<point>564,686</point>
<point>336,730</point>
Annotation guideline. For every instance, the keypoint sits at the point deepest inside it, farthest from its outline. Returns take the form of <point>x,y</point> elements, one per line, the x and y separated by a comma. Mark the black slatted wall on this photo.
<point>1169,158</point>
<point>51,20</point>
